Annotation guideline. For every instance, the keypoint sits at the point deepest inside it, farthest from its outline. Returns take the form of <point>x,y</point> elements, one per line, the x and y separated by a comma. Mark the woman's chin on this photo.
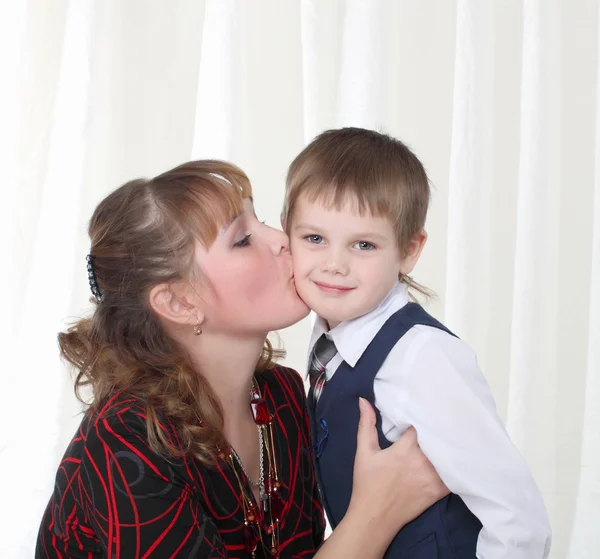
<point>300,313</point>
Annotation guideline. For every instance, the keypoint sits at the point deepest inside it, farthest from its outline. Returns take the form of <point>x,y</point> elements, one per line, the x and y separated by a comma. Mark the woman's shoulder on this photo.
<point>120,406</point>
<point>109,428</point>
<point>119,418</point>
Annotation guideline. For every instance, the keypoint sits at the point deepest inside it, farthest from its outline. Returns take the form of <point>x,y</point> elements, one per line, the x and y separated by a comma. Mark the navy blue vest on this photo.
<point>447,530</point>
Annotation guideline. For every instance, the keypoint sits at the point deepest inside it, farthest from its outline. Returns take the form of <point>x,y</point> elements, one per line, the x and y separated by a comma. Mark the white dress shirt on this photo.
<point>431,380</point>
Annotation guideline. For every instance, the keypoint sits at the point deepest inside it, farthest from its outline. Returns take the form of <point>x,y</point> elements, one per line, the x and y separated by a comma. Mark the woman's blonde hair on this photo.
<point>379,172</point>
<point>144,234</point>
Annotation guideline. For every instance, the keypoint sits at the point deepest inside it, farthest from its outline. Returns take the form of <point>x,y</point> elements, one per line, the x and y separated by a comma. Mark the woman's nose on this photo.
<point>279,241</point>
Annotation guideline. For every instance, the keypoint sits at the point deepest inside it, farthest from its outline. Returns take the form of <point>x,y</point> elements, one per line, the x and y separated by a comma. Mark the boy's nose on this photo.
<point>335,263</point>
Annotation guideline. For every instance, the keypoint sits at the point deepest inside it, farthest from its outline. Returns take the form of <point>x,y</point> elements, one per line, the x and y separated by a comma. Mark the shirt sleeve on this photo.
<point>442,392</point>
<point>136,503</point>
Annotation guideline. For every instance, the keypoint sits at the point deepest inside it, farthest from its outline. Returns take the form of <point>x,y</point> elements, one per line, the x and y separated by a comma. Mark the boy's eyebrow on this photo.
<point>304,226</point>
<point>375,236</point>
<point>358,235</point>
<point>307,226</point>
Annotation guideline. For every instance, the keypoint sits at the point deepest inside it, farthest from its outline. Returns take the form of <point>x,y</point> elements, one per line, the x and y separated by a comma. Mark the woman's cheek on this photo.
<point>258,281</point>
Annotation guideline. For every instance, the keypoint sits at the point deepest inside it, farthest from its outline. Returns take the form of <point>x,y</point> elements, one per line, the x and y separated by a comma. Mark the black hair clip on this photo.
<point>92,278</point>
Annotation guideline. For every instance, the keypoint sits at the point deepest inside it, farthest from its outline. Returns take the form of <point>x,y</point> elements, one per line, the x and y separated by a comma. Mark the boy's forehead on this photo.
<point>326,199</point>
<point>346,220</point>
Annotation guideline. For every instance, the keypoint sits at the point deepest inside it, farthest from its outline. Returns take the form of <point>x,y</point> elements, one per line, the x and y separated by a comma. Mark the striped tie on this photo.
<point>323,353</point>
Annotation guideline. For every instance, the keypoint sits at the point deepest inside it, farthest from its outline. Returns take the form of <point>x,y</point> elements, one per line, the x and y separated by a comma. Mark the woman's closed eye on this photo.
<point>243,242</point>
<point>364,245</point>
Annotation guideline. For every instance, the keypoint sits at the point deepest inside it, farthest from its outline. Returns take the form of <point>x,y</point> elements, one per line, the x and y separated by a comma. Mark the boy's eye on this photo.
<point>315,239</point>
<point>364,245</point>
<point>244,242</point>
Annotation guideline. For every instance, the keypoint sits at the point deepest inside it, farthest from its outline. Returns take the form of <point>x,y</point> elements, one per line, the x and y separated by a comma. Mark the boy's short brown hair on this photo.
<point>379,172</point>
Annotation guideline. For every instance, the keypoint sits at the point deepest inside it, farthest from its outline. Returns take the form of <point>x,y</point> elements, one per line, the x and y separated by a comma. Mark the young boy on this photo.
<point>355,209</point>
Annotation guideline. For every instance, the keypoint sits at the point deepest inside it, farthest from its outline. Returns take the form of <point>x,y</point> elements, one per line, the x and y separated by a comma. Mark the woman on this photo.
<point>195,443</point>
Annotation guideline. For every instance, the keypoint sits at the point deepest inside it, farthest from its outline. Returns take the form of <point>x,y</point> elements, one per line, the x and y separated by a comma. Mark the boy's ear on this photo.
<point>413,252</point>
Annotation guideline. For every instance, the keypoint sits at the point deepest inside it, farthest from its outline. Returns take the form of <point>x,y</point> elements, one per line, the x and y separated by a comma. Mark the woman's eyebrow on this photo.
<point>227,226</point>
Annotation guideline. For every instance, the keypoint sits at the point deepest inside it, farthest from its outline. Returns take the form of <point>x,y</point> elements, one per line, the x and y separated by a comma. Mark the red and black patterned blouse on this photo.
<point>115,498</point>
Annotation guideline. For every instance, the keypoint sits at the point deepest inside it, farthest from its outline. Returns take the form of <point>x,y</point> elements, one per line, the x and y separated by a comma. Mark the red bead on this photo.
<point>252,513</point>
<point>250,538</point>
<point>259,411</point>
<point>269,530</point>
<point>277,505</point>
<point>275,552</point>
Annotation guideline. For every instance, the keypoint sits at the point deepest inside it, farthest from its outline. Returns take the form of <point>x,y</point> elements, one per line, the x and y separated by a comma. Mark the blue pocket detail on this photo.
<point>318,447</point>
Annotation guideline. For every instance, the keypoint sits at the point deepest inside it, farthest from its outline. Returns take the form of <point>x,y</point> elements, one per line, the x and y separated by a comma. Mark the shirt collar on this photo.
<point>352,337</point>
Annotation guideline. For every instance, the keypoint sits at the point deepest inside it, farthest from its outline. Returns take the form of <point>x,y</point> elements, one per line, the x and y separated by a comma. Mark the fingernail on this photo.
<point>361,404</point>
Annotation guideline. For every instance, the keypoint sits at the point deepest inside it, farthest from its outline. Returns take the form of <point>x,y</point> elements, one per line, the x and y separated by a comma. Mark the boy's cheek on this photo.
<point>296,251</point>
<point>297,264</point>
<point>302,271</point>
<point>300,258</point>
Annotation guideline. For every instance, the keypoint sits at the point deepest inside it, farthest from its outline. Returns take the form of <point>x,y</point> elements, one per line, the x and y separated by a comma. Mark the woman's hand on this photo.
<point>392,486</point>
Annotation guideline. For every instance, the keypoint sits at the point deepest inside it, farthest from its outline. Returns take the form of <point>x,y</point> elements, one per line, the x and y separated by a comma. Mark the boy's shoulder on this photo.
<point>432,346</point>
<point>428,328</point>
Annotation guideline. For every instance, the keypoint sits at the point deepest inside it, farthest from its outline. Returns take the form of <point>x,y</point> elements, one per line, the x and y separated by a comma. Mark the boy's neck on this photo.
<point>331,325</point>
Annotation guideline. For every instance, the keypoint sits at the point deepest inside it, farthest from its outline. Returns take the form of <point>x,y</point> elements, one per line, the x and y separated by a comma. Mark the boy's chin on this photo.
<point>319,309</point>
<point>332,319</point>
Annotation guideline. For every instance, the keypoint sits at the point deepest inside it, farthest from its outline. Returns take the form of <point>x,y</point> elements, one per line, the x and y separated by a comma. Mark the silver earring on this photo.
<point>197,329</point>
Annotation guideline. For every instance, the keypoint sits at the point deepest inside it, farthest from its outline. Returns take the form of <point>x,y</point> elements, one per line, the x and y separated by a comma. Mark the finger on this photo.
<point>410,435</point>
<point>407,443</point>
<point>367,439</point>
<point>411,429</point>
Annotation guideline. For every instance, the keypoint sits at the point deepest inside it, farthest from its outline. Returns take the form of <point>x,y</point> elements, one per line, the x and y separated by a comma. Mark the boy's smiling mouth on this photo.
<point>333,289</point>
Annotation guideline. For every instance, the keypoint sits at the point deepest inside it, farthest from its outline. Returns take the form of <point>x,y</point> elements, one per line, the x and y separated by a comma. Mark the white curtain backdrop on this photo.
<point>498,98</point>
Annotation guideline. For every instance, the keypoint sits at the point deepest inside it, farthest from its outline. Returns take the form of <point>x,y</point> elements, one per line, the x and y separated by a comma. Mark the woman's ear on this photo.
<point>412,253</point>
<point>171,303</point>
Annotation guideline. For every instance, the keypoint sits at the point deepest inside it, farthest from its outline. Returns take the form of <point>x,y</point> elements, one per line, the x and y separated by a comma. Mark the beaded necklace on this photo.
<point>267,515</point>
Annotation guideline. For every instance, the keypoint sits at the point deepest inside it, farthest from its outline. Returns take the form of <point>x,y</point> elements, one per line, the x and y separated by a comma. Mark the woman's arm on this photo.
<point>391,487</point>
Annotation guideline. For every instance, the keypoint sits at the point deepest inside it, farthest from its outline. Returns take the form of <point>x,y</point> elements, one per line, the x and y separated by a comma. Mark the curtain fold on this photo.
<point>500,100</point>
